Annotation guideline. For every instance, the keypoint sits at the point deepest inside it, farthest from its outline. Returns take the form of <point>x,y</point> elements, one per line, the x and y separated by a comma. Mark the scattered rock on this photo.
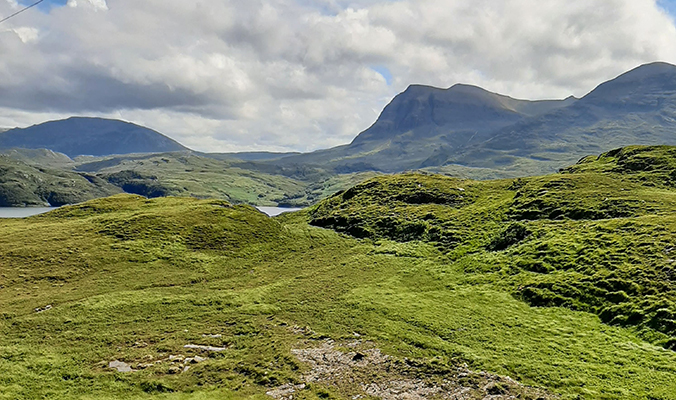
<point>213,336</point>
<point>174,370</point>
<point>43,309</point>
<point>194,360</point>
<point>363,371</point>
<point>205,348</point>
<point>120,366</point>
<point>285,392</point>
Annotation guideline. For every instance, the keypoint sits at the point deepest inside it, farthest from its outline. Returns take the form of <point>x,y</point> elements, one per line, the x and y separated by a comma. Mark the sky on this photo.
<point>301,75</point>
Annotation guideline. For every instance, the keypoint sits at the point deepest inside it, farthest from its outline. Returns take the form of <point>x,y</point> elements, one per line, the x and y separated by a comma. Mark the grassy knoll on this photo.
<point>442,273</point>
<point>24,185</point>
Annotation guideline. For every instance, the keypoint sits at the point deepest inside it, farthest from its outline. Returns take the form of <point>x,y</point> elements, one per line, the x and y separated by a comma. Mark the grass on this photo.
<point>591,241</point>
<point>443,273</point>
<point>179,174</point>
<point>23,185</point>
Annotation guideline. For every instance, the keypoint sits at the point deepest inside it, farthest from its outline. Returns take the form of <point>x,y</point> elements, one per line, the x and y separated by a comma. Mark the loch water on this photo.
<point>23,212</point>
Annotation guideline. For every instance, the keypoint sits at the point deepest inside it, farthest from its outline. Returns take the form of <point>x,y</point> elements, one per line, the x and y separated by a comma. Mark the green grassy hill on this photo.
<point>597,237</point>
<point>23,185</point>
<point>548,287</point>
<point>36,177</point>
<point>185,174</point>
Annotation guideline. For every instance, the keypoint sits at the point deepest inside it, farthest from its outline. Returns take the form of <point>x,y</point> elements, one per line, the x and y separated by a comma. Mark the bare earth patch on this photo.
<point>360,370</point>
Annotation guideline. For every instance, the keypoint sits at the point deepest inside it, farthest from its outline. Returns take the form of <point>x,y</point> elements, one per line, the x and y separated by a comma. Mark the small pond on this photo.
<point>274,211</point>
<point>22,212</point>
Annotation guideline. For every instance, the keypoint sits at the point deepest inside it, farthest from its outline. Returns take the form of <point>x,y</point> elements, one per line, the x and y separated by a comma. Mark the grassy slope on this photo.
<point>189,175</point>
<point>588,240</point>
<point>180,174</point>
<point>25,185</point>
<point>134,279</point>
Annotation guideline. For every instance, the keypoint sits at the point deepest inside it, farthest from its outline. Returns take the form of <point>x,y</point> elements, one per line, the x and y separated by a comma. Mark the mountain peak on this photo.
<point>638,86</point>
<point>89,136</point>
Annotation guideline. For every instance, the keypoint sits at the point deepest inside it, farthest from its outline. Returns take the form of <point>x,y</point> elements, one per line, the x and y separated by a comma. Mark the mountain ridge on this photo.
<point>638,107</point>
<point>76,136</point>
<point>465,125</point>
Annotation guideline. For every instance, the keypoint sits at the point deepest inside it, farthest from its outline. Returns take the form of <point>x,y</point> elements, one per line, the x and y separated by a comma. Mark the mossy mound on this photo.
<point>597,237</point>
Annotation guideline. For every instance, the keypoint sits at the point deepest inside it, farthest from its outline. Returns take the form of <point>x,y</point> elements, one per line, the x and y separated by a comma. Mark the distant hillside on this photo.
<point>638,107</point>
<point>425,123</point>
<point>89,136</point>
<point>40,157</point>
<point>23,185</point>
<point>250,155</point>
<point>469,129</point>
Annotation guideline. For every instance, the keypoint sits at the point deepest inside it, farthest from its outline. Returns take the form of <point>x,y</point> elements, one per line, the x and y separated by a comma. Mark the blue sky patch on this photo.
<point>669,6</point>
<point>45,5</point>
<point>384,72</point>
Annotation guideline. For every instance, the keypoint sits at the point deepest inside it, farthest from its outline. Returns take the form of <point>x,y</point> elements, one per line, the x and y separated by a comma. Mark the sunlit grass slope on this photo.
<point>440,277</point>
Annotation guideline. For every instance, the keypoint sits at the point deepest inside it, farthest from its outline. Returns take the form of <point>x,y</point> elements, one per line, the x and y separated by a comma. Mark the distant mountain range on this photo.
<point>428,127</point>
<point>460,130</point>
<point>89,136</point>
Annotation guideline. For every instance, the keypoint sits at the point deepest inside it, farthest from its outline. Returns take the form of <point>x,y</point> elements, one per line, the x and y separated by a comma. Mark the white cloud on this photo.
<point>27,34</point>
<point>227,75</point>
<point>94,4</point>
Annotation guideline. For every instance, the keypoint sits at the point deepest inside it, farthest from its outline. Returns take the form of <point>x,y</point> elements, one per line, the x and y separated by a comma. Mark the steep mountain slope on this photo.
<point>463,112</point>
<point>89,136</point>
<point>638,107</point>
<point>423,121</point>
<point>465,128</point>
<point>199,299</point>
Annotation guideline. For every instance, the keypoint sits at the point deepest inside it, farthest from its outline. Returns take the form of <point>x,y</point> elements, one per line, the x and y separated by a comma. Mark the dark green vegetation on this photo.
<point>89,136</point>
<point>485,134</point>
<point>443,276</point>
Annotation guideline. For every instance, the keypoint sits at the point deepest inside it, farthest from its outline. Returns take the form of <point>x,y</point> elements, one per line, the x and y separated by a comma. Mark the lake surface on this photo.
<point>23,212</point>
<point>274,211</point>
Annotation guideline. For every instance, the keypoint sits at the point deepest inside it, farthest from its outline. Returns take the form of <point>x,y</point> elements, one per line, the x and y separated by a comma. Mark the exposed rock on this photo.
<point>43,309</point>
<point>285,392</point>
<point>205,348</point>
<point>120,366</point>
<point>364,370</point>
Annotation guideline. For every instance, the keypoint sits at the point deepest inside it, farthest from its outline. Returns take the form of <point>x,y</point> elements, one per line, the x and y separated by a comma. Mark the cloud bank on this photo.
<point>231,75</point>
